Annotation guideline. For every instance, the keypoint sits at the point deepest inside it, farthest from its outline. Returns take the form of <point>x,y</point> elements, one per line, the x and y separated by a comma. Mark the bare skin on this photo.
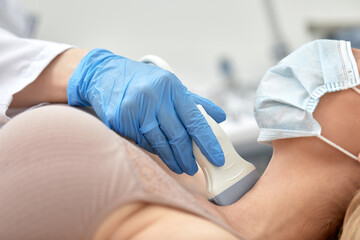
<point>51,84</point>
<point>302,195</point>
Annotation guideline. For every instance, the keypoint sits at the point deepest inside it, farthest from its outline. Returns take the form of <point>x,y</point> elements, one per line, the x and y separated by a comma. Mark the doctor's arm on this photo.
<point>50,85</point>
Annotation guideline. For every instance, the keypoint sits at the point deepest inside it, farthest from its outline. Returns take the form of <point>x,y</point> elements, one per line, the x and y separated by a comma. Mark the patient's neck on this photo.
<point>303,194</point>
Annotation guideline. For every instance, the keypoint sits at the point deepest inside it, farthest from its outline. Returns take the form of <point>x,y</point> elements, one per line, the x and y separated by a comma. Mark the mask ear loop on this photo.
<point>356,90</point>
<point>338,147</point>
<point>349,154</point>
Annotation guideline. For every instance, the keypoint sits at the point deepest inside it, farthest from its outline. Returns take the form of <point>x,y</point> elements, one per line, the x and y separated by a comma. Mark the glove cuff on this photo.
<point>80,80</point>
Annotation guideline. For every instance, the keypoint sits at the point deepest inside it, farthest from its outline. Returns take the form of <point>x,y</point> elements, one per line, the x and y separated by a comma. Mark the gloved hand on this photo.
<point>148,105</point>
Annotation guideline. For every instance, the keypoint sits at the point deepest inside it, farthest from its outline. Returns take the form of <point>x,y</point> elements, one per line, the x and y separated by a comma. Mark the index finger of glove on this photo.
<point>198,128</point>
<point>211,108</point>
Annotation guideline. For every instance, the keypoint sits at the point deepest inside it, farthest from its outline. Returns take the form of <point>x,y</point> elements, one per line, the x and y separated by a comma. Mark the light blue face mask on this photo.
<point>290,91</point>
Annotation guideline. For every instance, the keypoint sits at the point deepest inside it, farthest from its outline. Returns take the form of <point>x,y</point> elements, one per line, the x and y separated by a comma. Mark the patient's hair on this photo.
<point>351,227</point>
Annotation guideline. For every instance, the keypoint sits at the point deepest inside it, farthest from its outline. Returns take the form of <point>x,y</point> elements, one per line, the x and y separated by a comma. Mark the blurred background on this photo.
<point>218,49</point>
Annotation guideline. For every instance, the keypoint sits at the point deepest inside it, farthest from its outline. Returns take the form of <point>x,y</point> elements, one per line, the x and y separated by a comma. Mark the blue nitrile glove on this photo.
<point>148,105</point>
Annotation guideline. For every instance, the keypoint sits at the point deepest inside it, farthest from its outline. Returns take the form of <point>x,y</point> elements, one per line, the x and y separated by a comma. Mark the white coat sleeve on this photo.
<point>21,62</point>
